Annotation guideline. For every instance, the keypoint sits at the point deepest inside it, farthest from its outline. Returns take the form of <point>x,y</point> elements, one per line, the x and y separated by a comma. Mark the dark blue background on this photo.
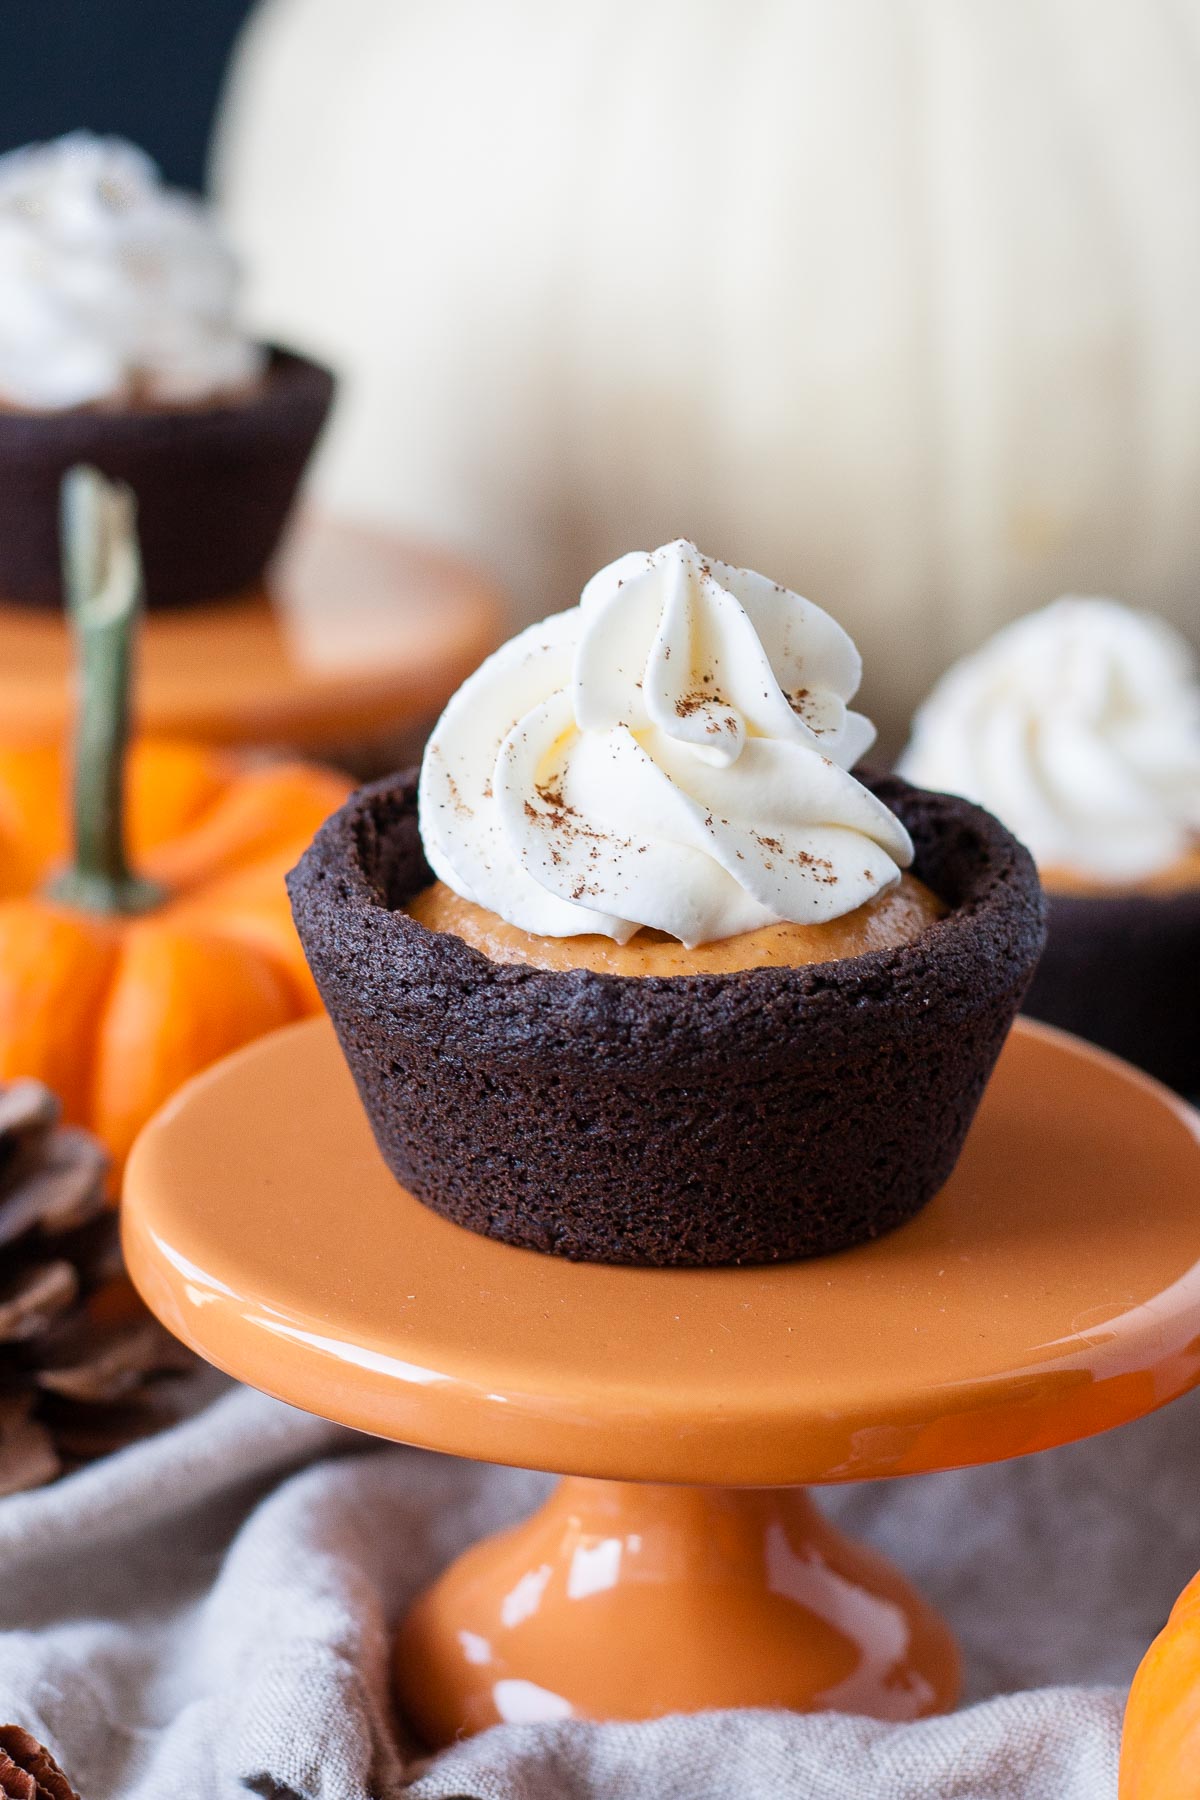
<point>147,69</point>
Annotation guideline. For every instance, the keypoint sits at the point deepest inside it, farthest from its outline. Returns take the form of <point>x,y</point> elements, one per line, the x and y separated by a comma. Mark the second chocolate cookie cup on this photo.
<point>688,1120</point>
<point>1124,971</point>
<point>214,484</point>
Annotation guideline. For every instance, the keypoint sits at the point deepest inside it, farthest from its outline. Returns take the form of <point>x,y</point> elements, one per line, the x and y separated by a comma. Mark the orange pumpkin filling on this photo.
<point>896,917</point>
<point>1178,878</point>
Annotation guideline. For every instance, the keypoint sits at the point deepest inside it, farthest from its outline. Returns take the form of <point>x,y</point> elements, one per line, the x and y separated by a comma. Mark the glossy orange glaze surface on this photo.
<point>360,633</point>
<point>1051,1290</point>
<point>622,1600</point>
<point>1178,878</point>
<point>896,917</point>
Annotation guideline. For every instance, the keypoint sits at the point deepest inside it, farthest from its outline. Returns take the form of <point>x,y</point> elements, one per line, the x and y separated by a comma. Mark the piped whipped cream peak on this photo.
<point>113,288</point>
<point>1079,726</point>
<point>673,753</point>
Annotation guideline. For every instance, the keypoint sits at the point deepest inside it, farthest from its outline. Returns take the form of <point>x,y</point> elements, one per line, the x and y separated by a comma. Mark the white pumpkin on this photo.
<point>896,299</point>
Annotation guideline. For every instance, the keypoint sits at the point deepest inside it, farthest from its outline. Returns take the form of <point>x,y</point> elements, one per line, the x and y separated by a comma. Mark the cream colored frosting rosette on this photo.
<point>673,753</point>
<point>1079,727</point>
<point>113,288</point>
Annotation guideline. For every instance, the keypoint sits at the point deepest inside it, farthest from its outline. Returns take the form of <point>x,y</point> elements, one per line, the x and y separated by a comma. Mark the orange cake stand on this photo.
<point>1051,1290</point>
<point>361,635</point>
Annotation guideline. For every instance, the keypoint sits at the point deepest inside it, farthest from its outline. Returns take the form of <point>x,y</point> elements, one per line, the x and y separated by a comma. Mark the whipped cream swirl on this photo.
<point>672,753</point>
<point>1079,726</point>
<point>113,289</point>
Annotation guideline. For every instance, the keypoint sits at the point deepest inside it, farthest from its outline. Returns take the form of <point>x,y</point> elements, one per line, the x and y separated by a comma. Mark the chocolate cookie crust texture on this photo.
<point>237,460</point>
<point>750,1117</point>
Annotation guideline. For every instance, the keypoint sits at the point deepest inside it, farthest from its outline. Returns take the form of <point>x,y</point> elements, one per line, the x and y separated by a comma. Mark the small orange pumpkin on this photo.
<point>115,987</point>
<point>1160,1748</point>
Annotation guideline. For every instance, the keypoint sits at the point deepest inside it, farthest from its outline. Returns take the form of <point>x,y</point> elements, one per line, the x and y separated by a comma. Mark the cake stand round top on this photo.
<point>361,633</point>
<point>1052,1289</point>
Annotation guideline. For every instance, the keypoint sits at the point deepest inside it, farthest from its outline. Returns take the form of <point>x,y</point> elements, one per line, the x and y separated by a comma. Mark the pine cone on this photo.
<point>80,1356</point>
<point>27,1769</point>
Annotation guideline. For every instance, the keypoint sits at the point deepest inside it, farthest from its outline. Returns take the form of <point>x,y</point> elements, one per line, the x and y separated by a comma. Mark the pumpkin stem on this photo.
<point>102,571</point>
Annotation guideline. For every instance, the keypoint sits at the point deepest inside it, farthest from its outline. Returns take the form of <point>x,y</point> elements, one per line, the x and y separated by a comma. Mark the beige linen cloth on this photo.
<point>207,1616</point>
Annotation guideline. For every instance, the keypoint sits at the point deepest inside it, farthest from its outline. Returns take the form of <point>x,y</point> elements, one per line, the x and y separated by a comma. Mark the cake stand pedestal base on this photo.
<point>627,1600</point>
<point>1051,1290</point>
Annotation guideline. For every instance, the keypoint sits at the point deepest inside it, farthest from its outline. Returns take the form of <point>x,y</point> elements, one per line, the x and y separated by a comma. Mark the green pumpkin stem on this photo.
<point>102,572</point>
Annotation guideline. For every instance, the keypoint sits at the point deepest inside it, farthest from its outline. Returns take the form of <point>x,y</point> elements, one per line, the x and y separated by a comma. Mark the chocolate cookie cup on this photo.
<point>1124,971</point>
<point>745,1118</point>
<point>214,483</point>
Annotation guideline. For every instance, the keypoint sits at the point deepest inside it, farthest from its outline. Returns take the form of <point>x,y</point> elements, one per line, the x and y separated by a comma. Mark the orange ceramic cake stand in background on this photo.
<point>1051,1290</point>
<point>360,637</point>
